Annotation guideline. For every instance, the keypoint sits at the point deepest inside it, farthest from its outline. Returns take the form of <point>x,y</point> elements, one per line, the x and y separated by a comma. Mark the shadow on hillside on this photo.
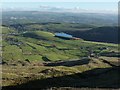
<point>96,78</point>
<point>100,34</point>
<point>69,63</point>
<point>45,59</point>
<point>33,35</point>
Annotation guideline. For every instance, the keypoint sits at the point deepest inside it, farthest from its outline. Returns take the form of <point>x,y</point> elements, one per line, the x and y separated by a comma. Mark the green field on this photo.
<point>30,52</point>
<point>33,45</point>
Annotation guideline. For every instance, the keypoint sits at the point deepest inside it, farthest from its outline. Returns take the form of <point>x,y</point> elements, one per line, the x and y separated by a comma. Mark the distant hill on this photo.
<point>89,26</point>
<point>97,19</point>
<point>100,34</point>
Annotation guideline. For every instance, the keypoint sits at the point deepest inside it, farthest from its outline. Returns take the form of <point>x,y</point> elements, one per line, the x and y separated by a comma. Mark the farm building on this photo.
<point>65,36</point>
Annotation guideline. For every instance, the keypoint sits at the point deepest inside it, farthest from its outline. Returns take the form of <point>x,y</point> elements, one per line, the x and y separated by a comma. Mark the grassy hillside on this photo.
<point>42,46</point>
<point>97,79</point>
<point>89,32</point>
<point>42,58</point>
<point>33,57</point>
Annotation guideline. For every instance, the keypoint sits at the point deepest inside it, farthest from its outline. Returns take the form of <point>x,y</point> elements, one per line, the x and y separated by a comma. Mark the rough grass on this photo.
<point>36,71</point>
<point>70,76</point>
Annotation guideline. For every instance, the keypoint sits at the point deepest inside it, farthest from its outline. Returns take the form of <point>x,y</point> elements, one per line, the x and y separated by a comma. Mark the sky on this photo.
<point>112,5</point>
<point>59,0</point>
